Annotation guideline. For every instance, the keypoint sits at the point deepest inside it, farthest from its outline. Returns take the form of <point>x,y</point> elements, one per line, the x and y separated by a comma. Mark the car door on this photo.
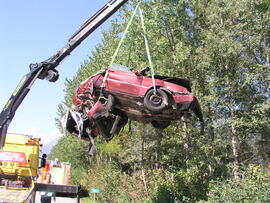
<point>124,82</point>
<point>147,83</point>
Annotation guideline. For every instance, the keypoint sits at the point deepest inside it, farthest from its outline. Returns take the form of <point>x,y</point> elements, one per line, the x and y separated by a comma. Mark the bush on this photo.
<point>254,187</point>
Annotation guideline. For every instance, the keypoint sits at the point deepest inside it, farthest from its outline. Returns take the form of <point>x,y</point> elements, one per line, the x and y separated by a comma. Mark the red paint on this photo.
<point>96,108</point>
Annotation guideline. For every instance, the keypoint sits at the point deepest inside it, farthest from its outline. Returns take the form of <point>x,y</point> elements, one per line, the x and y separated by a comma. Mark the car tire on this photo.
<point>155,102</point>
<point>160,124</point>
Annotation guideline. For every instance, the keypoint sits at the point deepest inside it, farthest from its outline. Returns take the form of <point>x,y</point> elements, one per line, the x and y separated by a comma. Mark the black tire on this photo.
<point>155,102</point>
<point>160,124</point>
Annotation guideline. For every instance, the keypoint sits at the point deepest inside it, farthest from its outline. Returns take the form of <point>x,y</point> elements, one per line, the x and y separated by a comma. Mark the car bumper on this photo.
<point>182,98</point>
<point>186,102</point>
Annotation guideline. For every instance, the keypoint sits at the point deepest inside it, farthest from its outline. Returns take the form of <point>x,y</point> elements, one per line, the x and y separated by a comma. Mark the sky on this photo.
<point>32,31</point>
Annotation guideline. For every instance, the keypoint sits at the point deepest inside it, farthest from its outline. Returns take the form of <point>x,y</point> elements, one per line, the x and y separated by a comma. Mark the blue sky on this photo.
<point>32,31</point>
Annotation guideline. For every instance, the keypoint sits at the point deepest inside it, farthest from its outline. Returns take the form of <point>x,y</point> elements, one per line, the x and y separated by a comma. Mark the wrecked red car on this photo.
<point>107,99</point>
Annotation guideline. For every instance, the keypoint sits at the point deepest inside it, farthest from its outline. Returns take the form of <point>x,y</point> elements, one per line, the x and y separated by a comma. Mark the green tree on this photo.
<point>223,48</point>
<point>254,187</point>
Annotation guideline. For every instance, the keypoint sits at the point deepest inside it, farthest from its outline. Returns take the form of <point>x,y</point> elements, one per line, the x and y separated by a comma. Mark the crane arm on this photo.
<point>46,69</point>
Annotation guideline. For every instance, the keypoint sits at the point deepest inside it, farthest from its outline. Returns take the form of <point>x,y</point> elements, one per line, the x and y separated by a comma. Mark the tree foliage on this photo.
<point>253,187</point>
<point>223,48</point>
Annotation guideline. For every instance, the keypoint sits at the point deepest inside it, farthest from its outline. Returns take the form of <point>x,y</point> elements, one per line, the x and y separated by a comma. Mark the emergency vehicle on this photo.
<point>23,172</point>
<point>18,168</point>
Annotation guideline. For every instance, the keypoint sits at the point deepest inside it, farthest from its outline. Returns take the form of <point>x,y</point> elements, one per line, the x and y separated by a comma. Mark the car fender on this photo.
<point>170,95</point>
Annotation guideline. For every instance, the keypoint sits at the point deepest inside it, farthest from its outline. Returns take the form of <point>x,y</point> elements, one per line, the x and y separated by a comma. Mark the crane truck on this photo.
<point>23,172</point>
<point>18,168</point>
<point>47,69</point>
<point>19,154</point>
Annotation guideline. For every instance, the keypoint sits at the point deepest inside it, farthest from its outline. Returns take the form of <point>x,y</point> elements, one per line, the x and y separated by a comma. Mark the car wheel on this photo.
<point>160,124</point>
<point>155,102</point>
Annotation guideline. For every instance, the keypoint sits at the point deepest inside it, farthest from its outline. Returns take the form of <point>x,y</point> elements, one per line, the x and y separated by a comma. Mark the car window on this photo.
<point>120,67</point>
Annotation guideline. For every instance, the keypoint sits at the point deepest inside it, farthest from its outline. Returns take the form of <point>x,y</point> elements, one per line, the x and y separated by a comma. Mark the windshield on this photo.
<point>120,67</point>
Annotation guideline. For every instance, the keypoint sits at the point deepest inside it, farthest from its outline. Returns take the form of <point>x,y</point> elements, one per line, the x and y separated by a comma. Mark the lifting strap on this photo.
<point>121,42</point>
<point>119,45</point>
<point>124,34</point>
<point>148,52</point>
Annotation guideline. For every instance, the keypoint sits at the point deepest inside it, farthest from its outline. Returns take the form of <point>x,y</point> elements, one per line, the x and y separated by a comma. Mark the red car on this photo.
<point>108,98</point>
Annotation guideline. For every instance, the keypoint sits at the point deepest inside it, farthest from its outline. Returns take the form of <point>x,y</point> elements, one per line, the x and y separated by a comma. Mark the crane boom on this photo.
<point>46,69</point>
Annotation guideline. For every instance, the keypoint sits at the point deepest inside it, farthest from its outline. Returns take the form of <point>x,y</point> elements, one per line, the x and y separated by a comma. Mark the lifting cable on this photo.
<point>121,42</point>
<point>119,45</point>
<point>148,52</point>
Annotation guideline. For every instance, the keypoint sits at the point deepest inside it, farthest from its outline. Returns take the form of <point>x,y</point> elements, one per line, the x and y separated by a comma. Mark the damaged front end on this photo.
<point>98,121</point>
<point>73,123</point>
